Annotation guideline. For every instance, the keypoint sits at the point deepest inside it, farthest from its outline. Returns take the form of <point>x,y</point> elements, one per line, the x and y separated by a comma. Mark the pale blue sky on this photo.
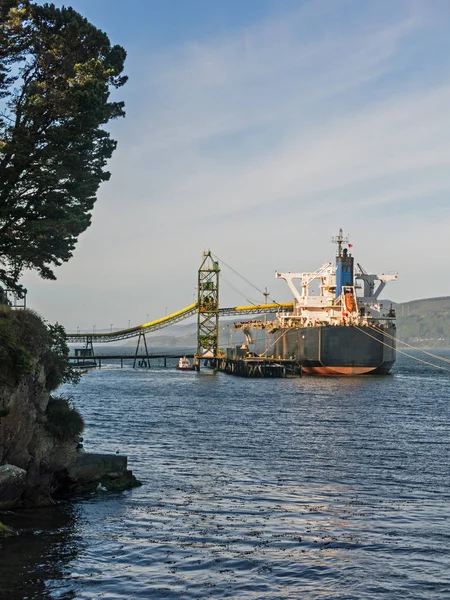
<point>257,129</point>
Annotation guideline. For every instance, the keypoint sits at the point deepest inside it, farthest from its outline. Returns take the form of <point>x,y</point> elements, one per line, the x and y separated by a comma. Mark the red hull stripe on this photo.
<point>337,370</point>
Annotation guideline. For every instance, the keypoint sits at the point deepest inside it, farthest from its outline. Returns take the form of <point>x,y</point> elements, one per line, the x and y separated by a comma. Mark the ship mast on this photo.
<point>339,240</point>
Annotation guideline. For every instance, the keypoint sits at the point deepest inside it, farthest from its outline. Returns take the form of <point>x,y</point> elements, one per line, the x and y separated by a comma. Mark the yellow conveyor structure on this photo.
<point>179,315</point>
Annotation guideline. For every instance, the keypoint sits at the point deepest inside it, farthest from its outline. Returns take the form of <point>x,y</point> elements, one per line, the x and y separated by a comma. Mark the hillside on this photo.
<point>425,322</point>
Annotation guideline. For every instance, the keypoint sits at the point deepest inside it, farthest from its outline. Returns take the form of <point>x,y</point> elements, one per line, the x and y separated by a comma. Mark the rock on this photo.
<point>60,455</point>
<point>38,499</point>
<point>89,471</point>
<point>12,485</point>
<point>127,481</point>
<point>89,466</point>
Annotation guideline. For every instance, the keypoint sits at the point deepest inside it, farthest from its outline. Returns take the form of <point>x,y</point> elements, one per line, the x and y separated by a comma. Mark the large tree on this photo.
<point>56,74</point>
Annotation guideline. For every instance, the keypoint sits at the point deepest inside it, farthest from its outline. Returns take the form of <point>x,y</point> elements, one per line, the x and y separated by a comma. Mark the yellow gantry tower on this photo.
<point>208,310</point>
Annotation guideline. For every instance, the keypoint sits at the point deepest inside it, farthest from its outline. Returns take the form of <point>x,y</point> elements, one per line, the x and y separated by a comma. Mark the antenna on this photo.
<point>339,240</point>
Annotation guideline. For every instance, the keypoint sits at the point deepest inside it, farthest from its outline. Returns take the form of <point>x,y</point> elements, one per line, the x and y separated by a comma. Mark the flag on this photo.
<point>350,245</point>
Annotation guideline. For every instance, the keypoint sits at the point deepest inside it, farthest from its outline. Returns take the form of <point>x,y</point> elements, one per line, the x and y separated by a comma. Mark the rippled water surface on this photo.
<point>294,488</point>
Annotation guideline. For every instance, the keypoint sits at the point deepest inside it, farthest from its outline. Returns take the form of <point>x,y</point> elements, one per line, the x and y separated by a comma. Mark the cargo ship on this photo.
<point>341,330</point>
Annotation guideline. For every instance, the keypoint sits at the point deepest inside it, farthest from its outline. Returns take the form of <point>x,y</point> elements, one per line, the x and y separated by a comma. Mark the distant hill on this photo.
<point>425,322</point>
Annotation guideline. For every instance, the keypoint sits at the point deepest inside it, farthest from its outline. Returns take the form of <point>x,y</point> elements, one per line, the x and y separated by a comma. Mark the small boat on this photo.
<point>184,364</point>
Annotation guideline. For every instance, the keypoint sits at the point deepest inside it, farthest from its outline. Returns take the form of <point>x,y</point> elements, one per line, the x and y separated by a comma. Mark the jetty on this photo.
<point>86,359</point>
<point>259,366</point>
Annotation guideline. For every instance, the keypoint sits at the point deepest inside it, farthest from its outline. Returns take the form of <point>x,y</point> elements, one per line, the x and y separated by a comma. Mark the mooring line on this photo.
<point>273,343</point>
<point>396,339</point>
<point>425,362</point>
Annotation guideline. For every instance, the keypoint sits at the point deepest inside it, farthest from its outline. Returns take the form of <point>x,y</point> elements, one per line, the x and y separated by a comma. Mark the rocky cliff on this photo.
<point>39,433</point>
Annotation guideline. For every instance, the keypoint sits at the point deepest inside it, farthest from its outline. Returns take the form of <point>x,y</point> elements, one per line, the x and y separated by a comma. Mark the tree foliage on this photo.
<point>60,370</point>
<point>63,420</point>
<point>56,74</point>
<point>26,340</point>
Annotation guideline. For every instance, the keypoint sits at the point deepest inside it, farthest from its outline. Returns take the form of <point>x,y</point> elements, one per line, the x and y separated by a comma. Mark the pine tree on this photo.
<point>56,74</point>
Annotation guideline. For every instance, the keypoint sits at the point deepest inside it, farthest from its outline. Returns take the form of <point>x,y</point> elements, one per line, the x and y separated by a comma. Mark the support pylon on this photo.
<point>144,359</point>
<point>208,311</point>
<point>89,350</point>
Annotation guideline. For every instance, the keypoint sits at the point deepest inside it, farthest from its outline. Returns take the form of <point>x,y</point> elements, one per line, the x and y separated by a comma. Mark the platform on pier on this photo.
<point>259,366</point>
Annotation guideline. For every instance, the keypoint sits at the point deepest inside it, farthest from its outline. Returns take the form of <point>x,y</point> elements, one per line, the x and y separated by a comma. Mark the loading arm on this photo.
<point>248,337</point>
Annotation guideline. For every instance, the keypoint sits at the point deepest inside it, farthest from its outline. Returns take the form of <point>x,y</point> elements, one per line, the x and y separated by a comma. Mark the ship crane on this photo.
<point>325,273</point>
<point>370,293</point>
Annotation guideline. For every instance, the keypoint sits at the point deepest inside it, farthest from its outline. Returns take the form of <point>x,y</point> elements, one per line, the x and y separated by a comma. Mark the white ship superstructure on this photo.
<point>339,300</point>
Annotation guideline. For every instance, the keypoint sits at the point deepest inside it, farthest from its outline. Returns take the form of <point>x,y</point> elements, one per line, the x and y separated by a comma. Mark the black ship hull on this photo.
<point>334,350</point>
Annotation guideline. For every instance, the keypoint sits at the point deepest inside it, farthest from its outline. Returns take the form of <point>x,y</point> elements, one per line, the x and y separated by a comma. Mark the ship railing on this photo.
<point>383,320</point>
<point>252,324</point>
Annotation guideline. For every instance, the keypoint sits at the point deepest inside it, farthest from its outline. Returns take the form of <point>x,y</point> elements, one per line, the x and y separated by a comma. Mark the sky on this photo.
<point>257,129</point>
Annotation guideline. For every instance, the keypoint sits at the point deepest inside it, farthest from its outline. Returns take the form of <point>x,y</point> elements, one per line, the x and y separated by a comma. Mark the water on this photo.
<point>255,489</point>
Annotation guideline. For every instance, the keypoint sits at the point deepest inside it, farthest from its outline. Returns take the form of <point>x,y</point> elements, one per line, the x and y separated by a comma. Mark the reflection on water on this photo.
<point>312,488</point>
<point>47,543</point>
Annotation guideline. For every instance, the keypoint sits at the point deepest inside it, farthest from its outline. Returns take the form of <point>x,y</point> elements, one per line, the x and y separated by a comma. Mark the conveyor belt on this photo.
<point>180,315</point>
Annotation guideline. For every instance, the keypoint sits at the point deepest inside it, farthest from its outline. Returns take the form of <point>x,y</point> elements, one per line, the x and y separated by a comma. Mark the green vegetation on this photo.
<point>24,338</point>
<point>425,323</point>
<point>56,73</point>
<point>59,370</point>
<point>63,420</point>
